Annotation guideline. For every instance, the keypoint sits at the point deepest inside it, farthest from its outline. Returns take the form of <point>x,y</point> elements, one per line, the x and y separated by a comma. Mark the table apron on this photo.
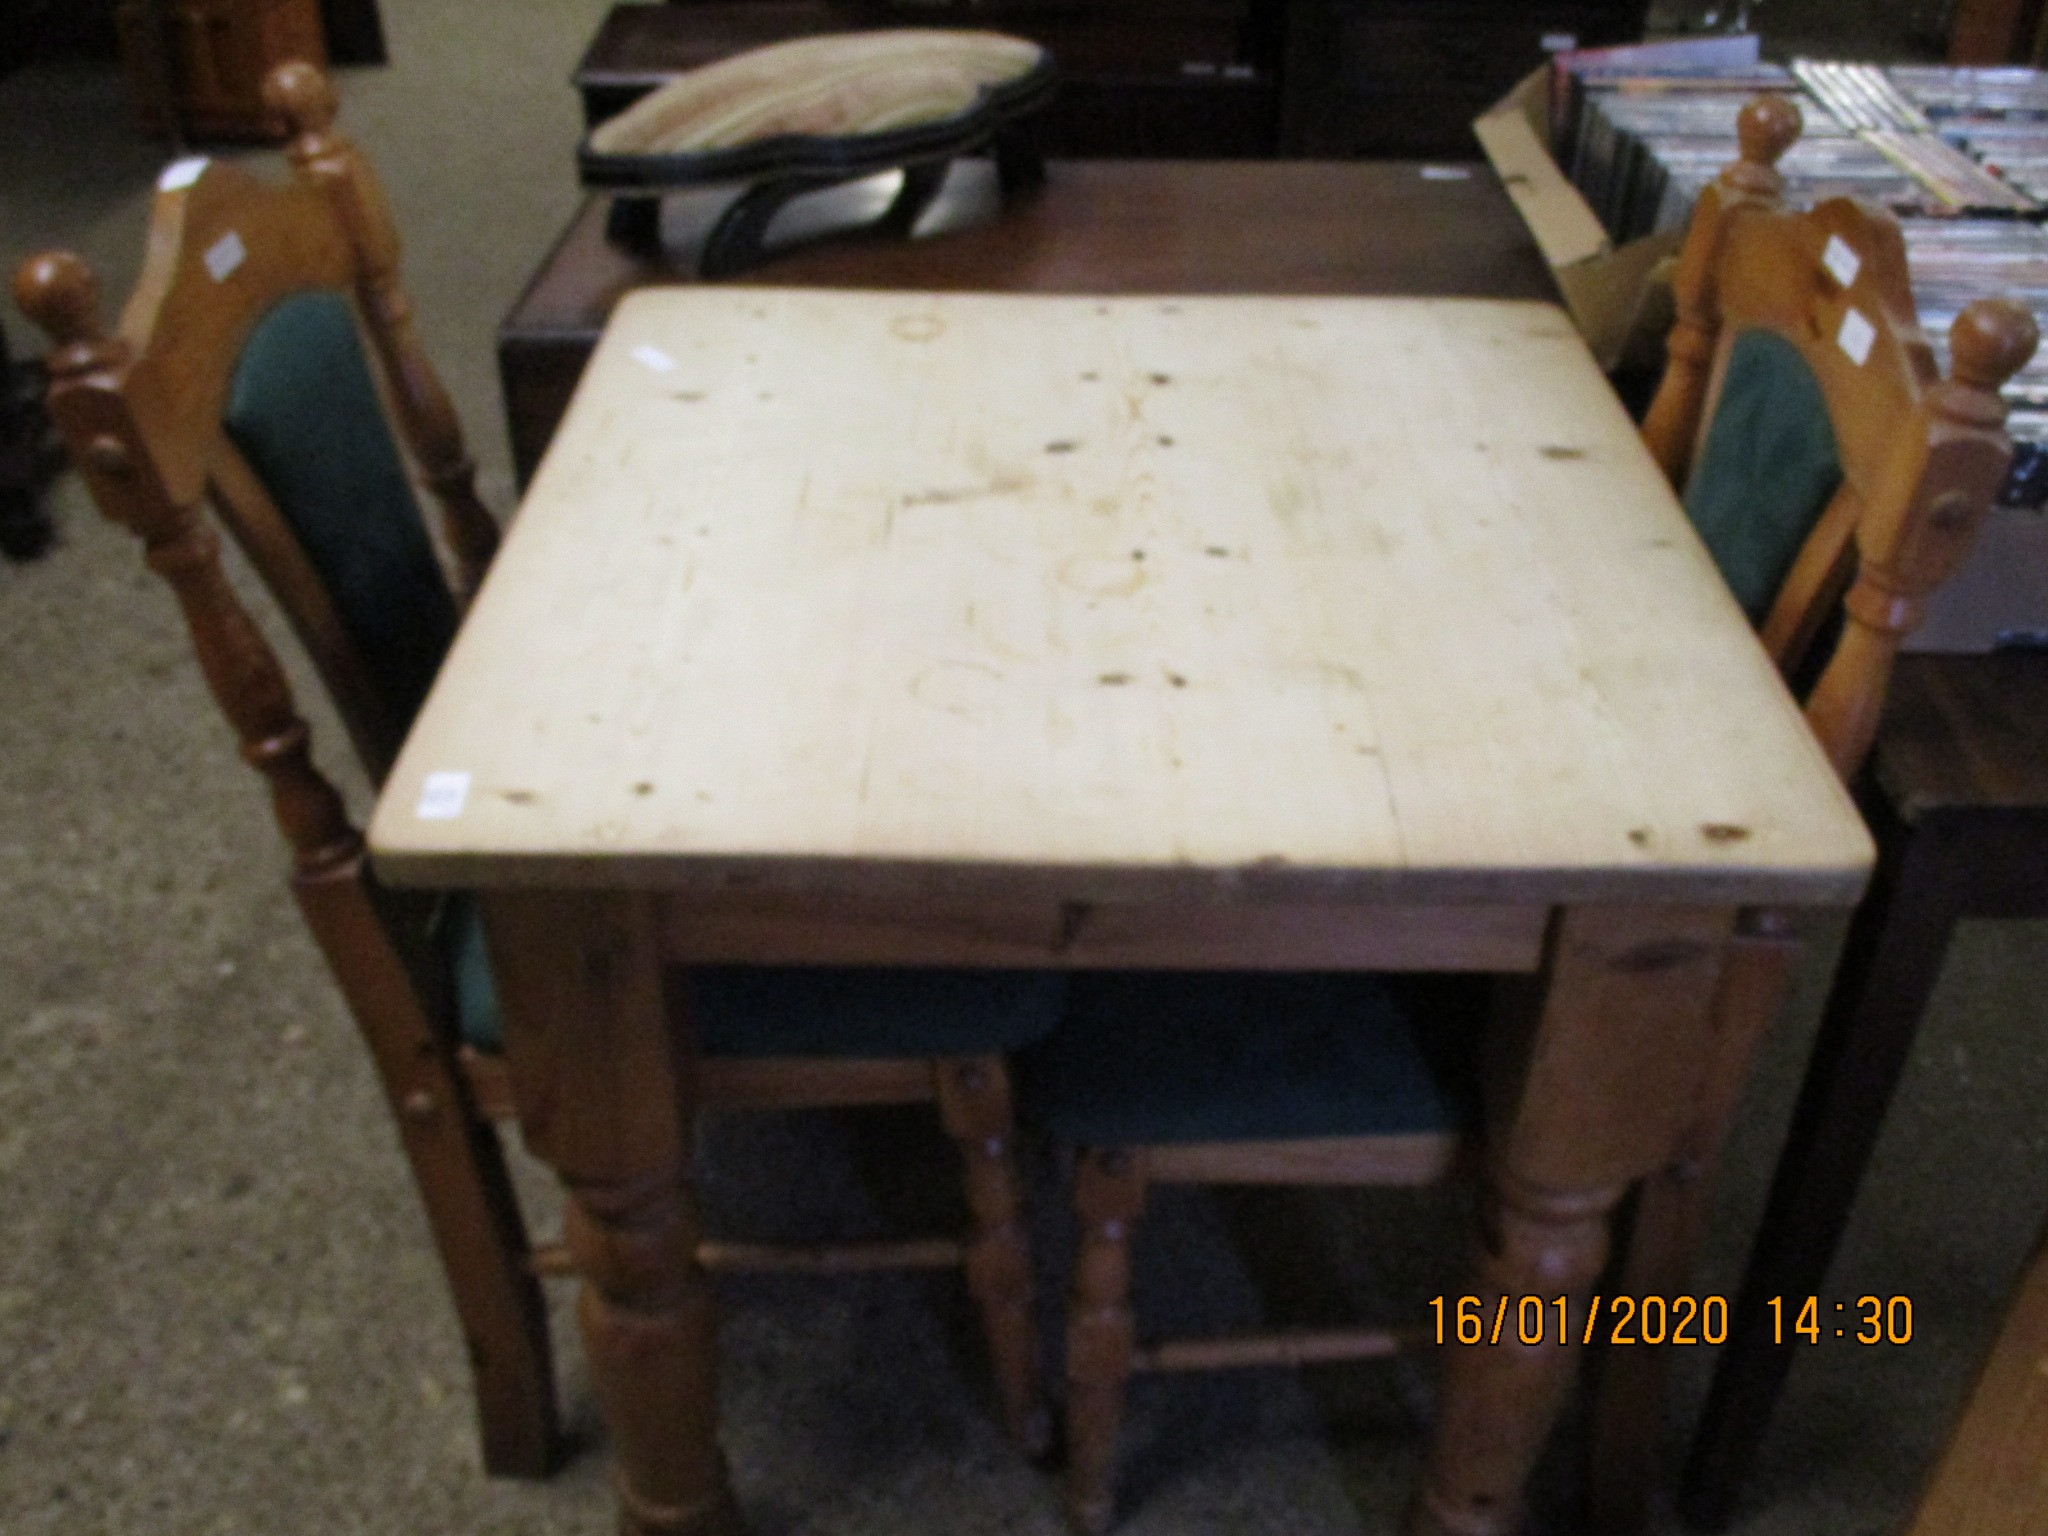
<point>780,929</point>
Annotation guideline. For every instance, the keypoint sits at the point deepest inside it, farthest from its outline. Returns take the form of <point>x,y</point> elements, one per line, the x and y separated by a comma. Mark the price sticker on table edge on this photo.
<point>1841,262</point>
<point>442,796</point>
<point>224,255</point>
<point>1855,337</point>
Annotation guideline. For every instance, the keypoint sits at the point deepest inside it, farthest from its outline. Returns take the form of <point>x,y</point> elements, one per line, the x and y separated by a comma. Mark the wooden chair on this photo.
<point>1837,474</point>
<point>1223,1078</point>
<point>1838,480</point>
<point>239,377</point>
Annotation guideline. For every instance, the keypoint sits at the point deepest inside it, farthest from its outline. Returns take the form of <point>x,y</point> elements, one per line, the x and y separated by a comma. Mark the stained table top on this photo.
<point>1370,598</point>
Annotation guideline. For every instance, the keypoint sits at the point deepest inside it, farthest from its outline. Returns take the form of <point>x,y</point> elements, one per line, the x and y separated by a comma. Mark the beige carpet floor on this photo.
<point>218,1309</point>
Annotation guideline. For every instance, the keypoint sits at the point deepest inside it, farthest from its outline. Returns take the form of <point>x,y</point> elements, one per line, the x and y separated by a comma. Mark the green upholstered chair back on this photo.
<point>1766,471</point>
<point>305,413</point>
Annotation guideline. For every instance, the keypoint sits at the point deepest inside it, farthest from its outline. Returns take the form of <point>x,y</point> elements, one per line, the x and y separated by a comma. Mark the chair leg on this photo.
<point>1671,1216</point>
<point>459,1168</point>
<point>974,1102</point>
<point>1109,1196</point>
<point>498,1300</point>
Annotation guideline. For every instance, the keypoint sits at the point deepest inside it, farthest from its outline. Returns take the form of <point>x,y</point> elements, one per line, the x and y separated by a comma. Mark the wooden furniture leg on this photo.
<point>974,1102</point>
<point>1889,967</point>
<point>25,529</point>
<point>457,1163</point>
<point>1671,1211</point>
<point>1109,1197</point>
<point>602,1078</point>
<point>1587,1096</point>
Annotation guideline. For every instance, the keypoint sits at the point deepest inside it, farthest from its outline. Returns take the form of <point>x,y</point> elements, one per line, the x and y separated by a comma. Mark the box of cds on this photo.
<point>1618,293</point>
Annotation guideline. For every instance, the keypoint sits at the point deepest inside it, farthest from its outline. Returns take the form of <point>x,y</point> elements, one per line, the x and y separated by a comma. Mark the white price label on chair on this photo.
<point>1841,262</point>
<point>224,255</point>
<point>180,174</point>
<point>1855,337</point>
<point>442,796</point>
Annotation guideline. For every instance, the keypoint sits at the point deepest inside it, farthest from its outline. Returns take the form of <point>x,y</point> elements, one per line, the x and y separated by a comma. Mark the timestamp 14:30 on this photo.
<point>1624,1320</point>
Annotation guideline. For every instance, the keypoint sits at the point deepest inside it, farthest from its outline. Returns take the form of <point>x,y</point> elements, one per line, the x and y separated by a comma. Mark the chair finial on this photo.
<point>1767,127</point>
<point>58,291</point>
<point>302,95</point>
<point>1990,341</point>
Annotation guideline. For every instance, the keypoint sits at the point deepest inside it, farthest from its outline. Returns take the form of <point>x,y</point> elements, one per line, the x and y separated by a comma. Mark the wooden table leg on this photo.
<point>1591,1091</point>
<point>1890,963</point>
<point>601,1075</point>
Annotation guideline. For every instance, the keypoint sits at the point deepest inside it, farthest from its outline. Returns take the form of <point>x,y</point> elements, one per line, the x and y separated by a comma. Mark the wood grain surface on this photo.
<point>1177,598</point>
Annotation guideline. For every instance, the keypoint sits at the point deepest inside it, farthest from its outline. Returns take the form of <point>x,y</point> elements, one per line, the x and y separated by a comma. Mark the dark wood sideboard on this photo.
<point>1394,78</point>
<point>1196,79</point>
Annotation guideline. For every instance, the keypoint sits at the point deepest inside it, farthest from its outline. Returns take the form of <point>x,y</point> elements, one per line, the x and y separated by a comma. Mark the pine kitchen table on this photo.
<point>913,628</point>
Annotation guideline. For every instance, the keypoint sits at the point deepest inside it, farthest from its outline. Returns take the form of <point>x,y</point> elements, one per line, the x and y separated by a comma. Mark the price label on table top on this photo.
<point>442,796</point>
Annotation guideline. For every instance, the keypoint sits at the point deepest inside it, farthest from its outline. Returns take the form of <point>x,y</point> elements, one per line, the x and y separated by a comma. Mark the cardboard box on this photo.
<point>1620,298</point>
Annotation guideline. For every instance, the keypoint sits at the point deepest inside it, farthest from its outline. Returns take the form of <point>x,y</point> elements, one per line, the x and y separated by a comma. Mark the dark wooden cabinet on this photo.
<point>212,56</point>
<point>26,458</point>
<point>1142,78</point>
<point>1201,79</point>
<point>1370,78</point>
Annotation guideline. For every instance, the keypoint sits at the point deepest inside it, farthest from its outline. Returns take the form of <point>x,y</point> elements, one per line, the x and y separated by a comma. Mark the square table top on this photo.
<point>1378,599</point>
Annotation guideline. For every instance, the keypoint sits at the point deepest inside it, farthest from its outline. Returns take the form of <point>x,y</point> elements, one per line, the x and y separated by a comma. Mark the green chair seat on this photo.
<point>1148,1058</point>
<point>780,1011</point>
<point>1767,470</point>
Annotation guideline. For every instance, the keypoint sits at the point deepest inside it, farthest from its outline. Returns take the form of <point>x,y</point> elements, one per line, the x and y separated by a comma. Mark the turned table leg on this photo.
<point>601,1075</point>
<point>1589,1088</point>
